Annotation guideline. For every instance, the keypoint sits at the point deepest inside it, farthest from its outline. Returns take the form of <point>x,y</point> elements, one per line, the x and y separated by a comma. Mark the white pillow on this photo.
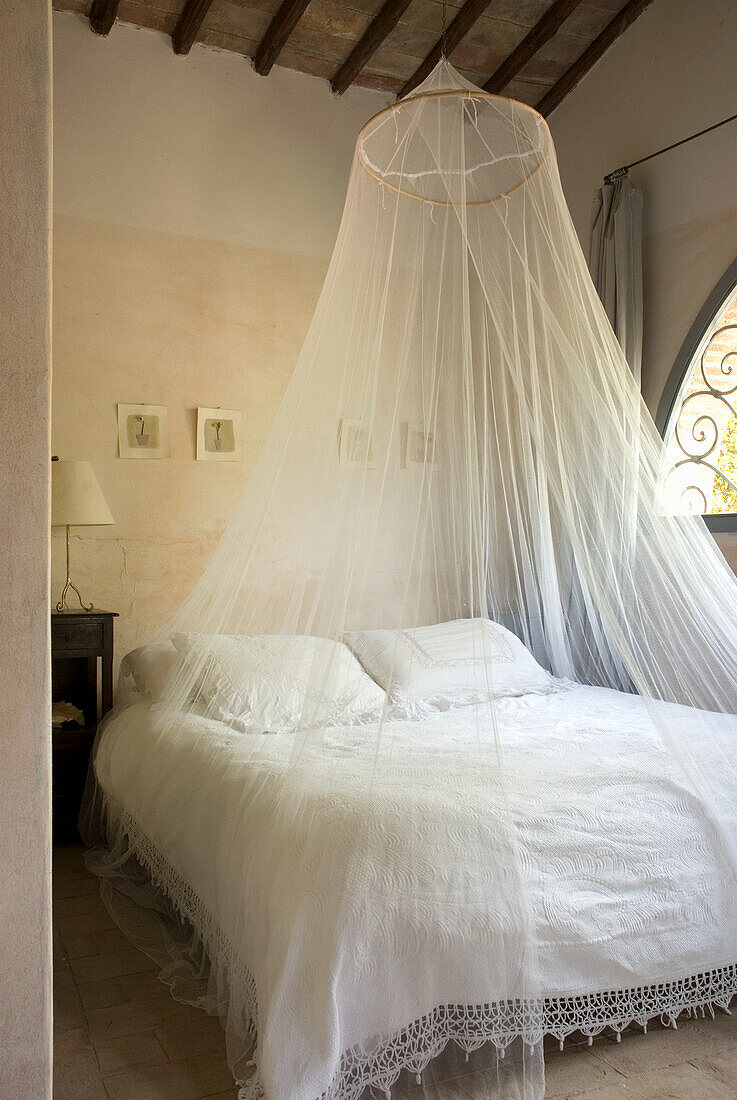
<point>279,682</point>
<point>150,666</point>
<point>449,664</point>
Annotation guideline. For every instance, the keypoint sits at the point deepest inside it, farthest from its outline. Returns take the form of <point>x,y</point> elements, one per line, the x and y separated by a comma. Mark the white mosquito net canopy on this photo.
<point>368,741</point>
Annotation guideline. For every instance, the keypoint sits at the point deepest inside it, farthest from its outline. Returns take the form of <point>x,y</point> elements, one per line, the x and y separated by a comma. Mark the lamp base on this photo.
<point>62,605</point>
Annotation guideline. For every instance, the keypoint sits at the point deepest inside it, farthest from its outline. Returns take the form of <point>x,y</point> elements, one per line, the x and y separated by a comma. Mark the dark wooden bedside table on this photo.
<point>81,674</point>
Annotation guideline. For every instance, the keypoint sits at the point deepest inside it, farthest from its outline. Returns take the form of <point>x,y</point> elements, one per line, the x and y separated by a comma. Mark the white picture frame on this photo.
<point>219,436</point>
<point>143,431</point>
<point>355,444</point>
<point>420,447</point>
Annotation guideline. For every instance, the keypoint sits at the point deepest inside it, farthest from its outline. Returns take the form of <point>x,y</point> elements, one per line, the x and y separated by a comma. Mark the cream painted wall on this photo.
<point>170,320</point>
<point>196,205</point>
<point>669,76</point>
<point>199,145</point>
<point>25,744</point>
<point>195,209</point>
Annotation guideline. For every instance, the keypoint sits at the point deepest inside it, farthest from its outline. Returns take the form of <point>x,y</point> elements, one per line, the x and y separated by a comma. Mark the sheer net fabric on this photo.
<point>343,791</point>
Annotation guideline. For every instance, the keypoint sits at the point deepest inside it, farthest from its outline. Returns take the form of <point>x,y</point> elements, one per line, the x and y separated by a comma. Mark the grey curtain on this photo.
<point>615,262</point>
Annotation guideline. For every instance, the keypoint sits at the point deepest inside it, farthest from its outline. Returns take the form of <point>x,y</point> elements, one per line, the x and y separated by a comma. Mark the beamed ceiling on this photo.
<point>533,50</point>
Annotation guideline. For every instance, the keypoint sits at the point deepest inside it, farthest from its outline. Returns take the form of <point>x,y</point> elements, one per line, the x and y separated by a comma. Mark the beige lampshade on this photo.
<point>76,496</point>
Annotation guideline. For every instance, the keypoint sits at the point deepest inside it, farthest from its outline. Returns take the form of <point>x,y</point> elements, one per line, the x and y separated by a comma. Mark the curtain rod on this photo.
<point>626,167</point>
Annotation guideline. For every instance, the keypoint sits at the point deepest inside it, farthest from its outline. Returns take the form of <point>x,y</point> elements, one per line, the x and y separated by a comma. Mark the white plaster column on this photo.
<point>25,728</point>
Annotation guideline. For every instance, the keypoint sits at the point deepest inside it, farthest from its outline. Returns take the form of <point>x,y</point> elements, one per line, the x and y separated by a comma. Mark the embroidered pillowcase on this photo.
<point>278,683</point>
<point>449,664</point>
<point>150,668</point>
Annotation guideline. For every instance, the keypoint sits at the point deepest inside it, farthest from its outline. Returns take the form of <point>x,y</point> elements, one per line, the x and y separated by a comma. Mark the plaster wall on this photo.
<point>201,145</point>
<point>196,205</point>
<point>171,320</point>
<point>195,209</point>
<point>25,917</point>
<point>670,75</point>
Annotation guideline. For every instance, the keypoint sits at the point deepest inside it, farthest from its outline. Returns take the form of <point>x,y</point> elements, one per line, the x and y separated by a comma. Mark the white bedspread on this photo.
<point>626,873</point>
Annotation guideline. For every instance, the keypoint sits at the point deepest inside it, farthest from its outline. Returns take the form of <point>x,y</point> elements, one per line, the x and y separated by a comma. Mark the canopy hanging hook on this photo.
<point>443,33</point>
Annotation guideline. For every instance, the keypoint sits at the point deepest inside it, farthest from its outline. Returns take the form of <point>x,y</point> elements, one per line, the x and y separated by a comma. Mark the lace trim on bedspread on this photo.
<point>469,1026</point>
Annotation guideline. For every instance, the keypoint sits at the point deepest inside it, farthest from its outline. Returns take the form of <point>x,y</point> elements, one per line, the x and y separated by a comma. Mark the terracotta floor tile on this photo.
<point>60,960</point>
<point>102,941</point>
<point>680,1082</point>
<point>96,968</point>
<point>57,942</point>
<point>143,986</point>
<point>611,1092</point>
<point>463,1088</point>
<point>722,1067</point>
<point>122,990</point>
<point>68,861</point>
<point>128,1051</point>
<point>485,1086</point>
<point>76,1072</point>
<point>723,1023</point>
<point>71,1039</point>
<point>459,1089</point>
<point>136,1016</point>
<point>74,887</point>
<point>638,1053</point>
<point>572,1071</point>
<point>190,1080</point>
<point>67,1004</point>
<point>78,906</point>
<point>77,924</point>
<point>187,1040</point>
<point>104,994</point>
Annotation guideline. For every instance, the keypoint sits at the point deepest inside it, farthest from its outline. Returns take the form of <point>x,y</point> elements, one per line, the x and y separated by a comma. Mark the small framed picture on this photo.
<point>355,444</point>
<point>143,431</point>
<point>420,447</point>
<point>219,435</point>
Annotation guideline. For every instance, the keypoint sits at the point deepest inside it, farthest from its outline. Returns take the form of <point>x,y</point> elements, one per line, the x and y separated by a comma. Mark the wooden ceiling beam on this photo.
<point>541,33</point>
<point>279,30</point>
<point>188,25</point>
<point>456,32</point>
<point>103,14</point>
<point>381,27</point>
<point>619,24</point>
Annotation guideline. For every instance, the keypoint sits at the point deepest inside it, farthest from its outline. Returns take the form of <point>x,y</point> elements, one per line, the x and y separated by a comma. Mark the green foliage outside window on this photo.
<point>725,498</point>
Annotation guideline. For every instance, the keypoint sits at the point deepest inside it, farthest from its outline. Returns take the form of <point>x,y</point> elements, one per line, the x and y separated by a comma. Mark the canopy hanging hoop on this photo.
<point>458,94</point>
<point>444,202</point>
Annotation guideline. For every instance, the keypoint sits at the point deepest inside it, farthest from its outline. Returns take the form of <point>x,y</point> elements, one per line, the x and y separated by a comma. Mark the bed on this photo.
<point>634,914</point>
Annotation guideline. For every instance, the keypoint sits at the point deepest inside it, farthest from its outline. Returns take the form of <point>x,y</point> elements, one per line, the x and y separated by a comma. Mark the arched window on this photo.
<point>698,413</point>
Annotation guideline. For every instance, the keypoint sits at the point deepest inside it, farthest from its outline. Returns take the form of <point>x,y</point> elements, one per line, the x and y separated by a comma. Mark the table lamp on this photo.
<point>76,501</point>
